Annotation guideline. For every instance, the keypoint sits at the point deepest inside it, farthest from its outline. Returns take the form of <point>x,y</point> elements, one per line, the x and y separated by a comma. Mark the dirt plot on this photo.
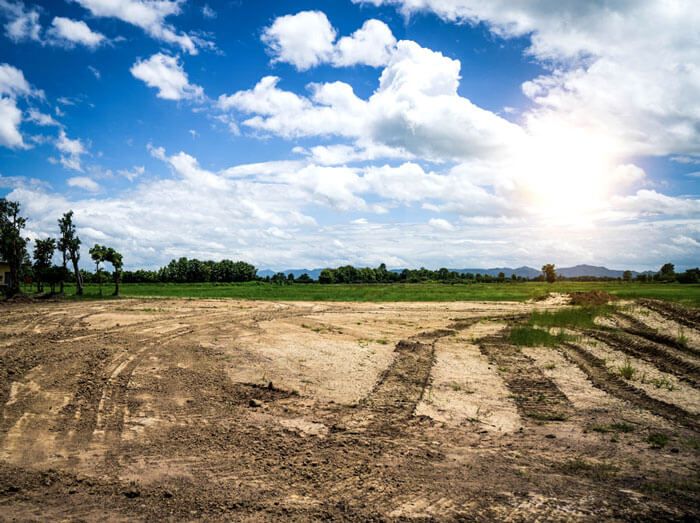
<point>224,409</point>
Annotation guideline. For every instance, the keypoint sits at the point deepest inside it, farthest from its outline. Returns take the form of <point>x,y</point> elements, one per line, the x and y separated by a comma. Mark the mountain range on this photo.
<point>524,271</point>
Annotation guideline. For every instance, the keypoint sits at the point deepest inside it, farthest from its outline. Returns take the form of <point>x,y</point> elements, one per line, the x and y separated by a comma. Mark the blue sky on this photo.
<point>308,134</point>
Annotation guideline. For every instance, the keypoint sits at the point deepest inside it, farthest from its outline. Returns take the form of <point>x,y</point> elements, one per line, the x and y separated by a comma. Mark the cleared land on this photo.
<point>225,409</point>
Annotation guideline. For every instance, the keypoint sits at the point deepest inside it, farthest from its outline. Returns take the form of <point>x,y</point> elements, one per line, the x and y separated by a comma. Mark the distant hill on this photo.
<point>524,272</point>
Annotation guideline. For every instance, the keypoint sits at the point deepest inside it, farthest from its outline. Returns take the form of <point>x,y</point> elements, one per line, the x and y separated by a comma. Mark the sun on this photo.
<point>569,173</point>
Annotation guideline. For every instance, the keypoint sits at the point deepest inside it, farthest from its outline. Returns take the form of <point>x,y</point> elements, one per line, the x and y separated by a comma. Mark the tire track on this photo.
<point>689,318</point>
<point>601,378</point>
<point>651,353</point>
<point>536,396</point>
<point>640,329</point>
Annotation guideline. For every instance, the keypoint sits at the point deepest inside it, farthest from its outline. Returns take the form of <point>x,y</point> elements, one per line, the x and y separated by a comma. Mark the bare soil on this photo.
<point>221,409</point>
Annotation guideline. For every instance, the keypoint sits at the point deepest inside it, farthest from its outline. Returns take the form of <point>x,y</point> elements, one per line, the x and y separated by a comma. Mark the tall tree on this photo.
<point>43,256</point>
<point>98,254</point>
<point>69,245</point>
<point>116,260</point>
<point>13,248</point>
<point>549,273</point>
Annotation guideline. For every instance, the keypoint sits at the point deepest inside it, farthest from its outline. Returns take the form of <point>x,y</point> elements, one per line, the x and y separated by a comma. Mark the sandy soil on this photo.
<point>224,409</point>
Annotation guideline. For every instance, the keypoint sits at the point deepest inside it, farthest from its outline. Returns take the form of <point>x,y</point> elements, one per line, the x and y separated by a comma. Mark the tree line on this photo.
<point>41,268</point>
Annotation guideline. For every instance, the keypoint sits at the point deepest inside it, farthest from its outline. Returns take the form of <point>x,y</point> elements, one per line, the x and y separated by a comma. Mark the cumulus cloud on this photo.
<point>307,39</point>
<point>416,109</point>
<point>39,118</point>
<point>71,151</point>
<point>13,85</point>
<point>166,74</point>
<point>83,182</point>
<point>148,15</point>
<point>10,119</point>
<point>628,69</point>
<point>70,32</point>
<point>22,24</point>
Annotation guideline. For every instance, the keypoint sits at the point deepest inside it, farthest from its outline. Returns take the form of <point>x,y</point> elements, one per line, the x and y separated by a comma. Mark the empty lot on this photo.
<point>220,409</point>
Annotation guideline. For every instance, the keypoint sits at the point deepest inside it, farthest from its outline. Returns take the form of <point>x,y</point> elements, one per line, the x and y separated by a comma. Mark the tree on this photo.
<point>115,258</point>
<point>667,272</point>
<point>98,253</point>
<point>43,254</point>
<point>69,245</point>
<point>13,248</point>
<point>627,275</point>
<point>549,273</point>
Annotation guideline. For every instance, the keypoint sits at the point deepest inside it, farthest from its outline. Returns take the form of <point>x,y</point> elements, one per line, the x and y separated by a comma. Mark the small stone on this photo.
<point>550,436</point>
<point>255,403</point>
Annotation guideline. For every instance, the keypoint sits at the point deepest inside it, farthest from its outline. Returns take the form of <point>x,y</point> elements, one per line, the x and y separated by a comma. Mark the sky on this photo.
<point>305,134</point>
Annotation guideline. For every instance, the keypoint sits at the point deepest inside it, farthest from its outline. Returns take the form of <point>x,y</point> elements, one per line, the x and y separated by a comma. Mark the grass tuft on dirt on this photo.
<point>572,318</point>
<point>533,337</point>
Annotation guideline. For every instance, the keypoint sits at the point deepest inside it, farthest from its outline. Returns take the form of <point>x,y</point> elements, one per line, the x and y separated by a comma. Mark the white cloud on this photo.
<point>13,83</point>
<point>22,24</point>
<point>166,74</point>
<point>307,39</point>
<point>625,69</point>
<point>208,12</point>
<point>132,174</point>
<point>372,44</point>
<point>39,118</point>
<point>439,223</point>
<point>10,119</point>
<point>304,39</point>
<point>148,15</point>
<point>83,182</point>
<point>71,151</point>
<point>415,109</point>
<point>69,32</point>
<point>94,71</point>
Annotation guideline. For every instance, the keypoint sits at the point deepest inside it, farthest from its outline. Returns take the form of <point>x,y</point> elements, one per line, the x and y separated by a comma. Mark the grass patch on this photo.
<point>572,318</point>
<point>627,371</point>
<point>663,382</point>
<point>688,294</point>
<point>585,467</point>
<point>532,337</point>
<point>614,427</point>
<point>548,416</point>
<point>657,441</point>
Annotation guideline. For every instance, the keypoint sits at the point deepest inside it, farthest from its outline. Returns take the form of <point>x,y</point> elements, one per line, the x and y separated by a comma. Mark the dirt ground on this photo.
<point>220,409</point>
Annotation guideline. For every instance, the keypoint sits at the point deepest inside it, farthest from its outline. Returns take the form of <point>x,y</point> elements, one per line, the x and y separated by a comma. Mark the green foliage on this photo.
<point>260,290</point>
<point>573,317</point>
<point>549,273</point>
<point>614,427</point>
<point>657,441</point>
<point>69,245</point>
<point>627,371</point>
<point>13,248</point>
<point>532,337</point>
<point>43,256</point>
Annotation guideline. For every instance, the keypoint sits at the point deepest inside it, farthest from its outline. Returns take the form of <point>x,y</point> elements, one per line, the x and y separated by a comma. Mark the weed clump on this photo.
<point>627,371</point>
<point>575,317</point>
<point>532,337</point>
<point>657,441</point>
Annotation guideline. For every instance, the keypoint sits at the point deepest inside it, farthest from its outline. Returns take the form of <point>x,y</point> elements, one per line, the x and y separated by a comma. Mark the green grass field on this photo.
<point>688,294</point>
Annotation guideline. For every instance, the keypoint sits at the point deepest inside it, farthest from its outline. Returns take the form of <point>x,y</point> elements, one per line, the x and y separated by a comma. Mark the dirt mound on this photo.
<point>594,297</point>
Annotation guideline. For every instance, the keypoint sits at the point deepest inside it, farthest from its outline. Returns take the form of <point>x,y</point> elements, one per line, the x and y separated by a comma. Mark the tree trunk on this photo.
<point>78,278</point>
<point>116,284</point>
<point>99,279</point>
